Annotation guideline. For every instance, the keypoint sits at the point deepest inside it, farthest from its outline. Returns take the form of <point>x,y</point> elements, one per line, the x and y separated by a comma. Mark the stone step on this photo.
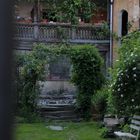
<point>56,96</point>
<point>24,44</point>
<point>56,108</point>
<point>63,118</point>
<point>58,113</point>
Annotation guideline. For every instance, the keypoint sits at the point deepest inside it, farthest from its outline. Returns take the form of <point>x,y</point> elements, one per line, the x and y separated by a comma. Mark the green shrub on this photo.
<point>99,100</point>
<point>86,75</point>
<point>104,132</point>
<point>126,128</point>
<point>125,86</point>
<point>29,70</point>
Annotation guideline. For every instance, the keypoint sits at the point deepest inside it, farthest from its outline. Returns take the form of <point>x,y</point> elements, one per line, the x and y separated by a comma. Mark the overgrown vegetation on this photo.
<point>99,100</point>
<point>104,132</point>
<point>86,75</point>
<point>70,11</point>
<point>125,87</point>
<point>30,69</point>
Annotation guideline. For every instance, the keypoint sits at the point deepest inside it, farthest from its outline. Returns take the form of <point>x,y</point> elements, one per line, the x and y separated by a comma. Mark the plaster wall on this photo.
<point>57,87</point>
<point>133,9</point>
<point>24,10</point>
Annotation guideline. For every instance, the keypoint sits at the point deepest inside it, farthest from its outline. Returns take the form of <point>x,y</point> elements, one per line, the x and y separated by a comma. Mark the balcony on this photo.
<point>55,33</point>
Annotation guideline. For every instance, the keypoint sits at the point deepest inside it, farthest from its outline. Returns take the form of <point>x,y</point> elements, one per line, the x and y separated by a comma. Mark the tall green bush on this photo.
<point>86,75</point>
<point>30,69</point>
<point>125,97</point>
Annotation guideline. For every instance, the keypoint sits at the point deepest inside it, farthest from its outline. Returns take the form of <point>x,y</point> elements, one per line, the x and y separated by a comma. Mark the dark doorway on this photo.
<point>124,23</point>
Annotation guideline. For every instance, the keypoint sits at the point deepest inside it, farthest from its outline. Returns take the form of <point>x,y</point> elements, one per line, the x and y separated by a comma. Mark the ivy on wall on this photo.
<point>86,75</point>
<point>30,69</point>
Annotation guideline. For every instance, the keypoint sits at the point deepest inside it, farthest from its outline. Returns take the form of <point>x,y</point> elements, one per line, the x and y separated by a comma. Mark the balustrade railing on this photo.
<point>56,32</point>
<point>24,31</point>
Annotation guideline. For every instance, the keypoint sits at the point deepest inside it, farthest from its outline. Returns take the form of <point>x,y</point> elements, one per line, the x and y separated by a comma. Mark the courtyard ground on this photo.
<point>72,131</point>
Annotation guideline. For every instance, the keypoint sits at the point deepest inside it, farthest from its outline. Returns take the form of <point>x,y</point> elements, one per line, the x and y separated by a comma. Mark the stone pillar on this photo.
<point>36,31</point>
<point>73,32</point>
<point>36,19</point>
<point>35,11</point>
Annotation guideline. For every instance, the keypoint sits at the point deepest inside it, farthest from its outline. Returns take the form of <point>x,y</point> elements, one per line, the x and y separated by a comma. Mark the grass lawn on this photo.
<point>73,131</point>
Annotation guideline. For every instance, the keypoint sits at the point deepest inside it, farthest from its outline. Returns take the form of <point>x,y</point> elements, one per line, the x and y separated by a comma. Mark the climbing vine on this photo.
<point>30,69</point>
<point>86,75</point>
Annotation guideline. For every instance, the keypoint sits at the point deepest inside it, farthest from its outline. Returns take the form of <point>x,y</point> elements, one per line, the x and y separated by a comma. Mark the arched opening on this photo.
<point>124,24</point>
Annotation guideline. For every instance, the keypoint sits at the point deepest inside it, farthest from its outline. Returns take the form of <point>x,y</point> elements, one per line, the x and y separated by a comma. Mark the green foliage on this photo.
<point>125,86</point>
<point>99,100</point>
<point>110,103</point>
<point>105,31</point>
<point>68,10</point>
<point>30,68</point>
<point>86,75</point>
<point>126,128</point>
<point>104,132</point>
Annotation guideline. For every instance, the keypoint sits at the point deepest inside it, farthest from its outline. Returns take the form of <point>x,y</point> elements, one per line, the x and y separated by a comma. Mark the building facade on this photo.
<point>126,18</point>
<point>35,26</point>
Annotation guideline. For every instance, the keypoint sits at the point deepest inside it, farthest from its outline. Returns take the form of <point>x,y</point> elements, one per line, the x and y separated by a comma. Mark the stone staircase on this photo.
<point>62,113</point>
<point>56,101</point>
<point>58,108</point>
<point>24,44</point>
